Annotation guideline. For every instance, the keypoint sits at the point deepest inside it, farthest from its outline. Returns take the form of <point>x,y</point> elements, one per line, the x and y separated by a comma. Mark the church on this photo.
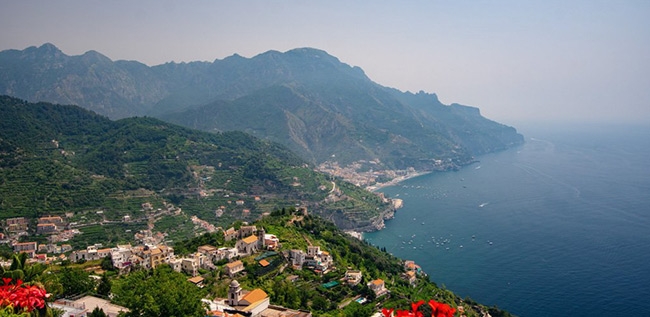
<point>255,303</point>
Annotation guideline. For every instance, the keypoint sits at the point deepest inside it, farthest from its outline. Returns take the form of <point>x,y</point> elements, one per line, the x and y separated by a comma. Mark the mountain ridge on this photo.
<point>318,106</point>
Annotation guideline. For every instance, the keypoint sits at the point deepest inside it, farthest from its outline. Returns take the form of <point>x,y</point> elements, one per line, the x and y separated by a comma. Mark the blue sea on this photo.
<point>559,226</point>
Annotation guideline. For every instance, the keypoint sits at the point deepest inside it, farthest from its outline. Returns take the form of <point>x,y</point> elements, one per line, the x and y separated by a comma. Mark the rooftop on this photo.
<point>250,239</point>
<point>196,279</point>
<point>234,264</point>
<point>90,302</point>
<point>255,295</point>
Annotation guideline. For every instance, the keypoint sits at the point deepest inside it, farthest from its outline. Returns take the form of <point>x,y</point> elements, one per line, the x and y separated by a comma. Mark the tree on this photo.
<point>355,309</point>
<point>97,312</point>
<point>107,263</point>
<point>104,287</point>
<point>162,292</point>
<point>75,281</point>
<point>319,303</point>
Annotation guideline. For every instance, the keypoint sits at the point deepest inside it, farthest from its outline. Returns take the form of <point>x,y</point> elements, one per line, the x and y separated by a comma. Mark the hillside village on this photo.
<point>251,250</point>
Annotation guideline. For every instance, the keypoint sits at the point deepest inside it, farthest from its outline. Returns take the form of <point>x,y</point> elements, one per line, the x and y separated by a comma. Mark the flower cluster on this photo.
<point>20,296</point>
<point>437,310</point>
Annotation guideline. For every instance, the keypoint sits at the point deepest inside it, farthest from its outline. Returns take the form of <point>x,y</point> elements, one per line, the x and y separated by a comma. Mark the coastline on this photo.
<point>397,203</point>
<point>396,180</point>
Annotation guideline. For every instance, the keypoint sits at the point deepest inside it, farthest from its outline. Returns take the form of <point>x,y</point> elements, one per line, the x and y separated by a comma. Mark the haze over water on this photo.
<point>559,226</point>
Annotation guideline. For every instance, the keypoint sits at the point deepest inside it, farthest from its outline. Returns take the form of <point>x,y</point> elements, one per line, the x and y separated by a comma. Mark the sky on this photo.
<point>518,61</point>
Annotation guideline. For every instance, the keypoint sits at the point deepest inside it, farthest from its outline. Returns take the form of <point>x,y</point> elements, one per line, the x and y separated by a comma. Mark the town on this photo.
<point>245,247</point>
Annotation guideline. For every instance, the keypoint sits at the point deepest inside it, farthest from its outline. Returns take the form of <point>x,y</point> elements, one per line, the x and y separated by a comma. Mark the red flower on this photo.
<point>405,313</point>
<point>20,296</point>
<point>438,310</point>
<point>387,312</point>
<point>415,306</point>
<point>6,280</point>
<point>441,309</point>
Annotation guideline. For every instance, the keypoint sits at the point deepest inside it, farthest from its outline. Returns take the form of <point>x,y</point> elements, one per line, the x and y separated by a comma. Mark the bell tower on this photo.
<point>234,293</point>
<point>260,238</point>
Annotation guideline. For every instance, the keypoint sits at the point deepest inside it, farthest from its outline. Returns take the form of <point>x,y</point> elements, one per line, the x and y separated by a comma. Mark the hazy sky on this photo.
<point>516,60</point>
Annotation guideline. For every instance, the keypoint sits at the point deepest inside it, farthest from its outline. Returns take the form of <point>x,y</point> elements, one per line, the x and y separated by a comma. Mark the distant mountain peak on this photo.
<point>235,56</point>
<point>313,53</point>
<point>94,56</point>
<point>45,52</point>
<point>49,47</point>
<point>309,51</point>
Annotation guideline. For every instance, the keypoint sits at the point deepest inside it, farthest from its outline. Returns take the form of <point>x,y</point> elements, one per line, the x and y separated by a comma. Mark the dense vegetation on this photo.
<point>56,159</point>
<point>161,292</point>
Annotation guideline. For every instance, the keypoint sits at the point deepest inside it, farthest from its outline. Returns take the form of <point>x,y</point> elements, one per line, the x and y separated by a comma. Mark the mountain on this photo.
<point>56,159</point>
<point>115,89</point>
<point>305,99</point>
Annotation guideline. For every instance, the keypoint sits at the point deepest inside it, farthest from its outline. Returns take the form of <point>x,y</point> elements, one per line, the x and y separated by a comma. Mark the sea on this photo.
<point>559,226</point>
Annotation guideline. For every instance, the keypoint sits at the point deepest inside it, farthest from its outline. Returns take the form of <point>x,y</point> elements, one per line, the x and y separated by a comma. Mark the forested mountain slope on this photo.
<point>55,159</point>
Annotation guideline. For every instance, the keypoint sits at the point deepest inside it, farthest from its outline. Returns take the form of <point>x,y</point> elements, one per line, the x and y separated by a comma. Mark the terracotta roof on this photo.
<point>255,296</point>
<point>207,248</point>
<point>264,263</point>
<point>234,264</point>
<point>25,243</point>
<point>249,240</point>
<point>50,218</point>
<point>196,279</point>
<point>378,281</point>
